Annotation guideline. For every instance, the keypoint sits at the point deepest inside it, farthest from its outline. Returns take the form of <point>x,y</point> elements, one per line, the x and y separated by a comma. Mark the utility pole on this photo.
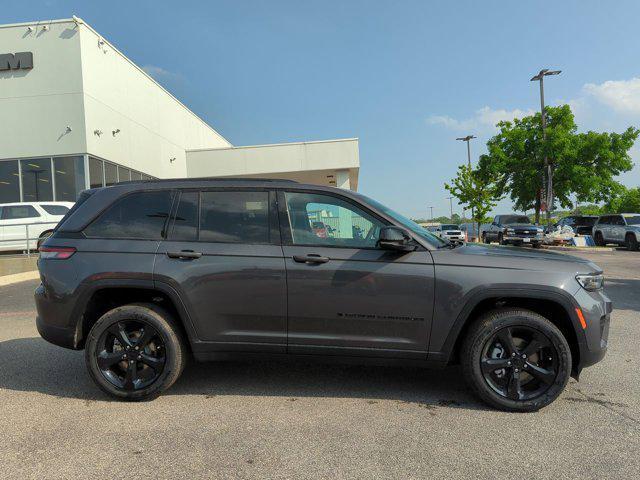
<point>467,139</point>
<point>431,214</point>
<point>451,208</point>
<point>547,186</point>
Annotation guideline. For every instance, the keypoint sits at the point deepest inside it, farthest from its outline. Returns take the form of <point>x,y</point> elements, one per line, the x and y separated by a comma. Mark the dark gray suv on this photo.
<point>142,275</point>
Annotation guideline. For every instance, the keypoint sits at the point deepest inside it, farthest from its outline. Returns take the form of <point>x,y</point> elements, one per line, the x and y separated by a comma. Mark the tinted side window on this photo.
<point>234,217</point>
<point>325,220</point>
<point>15,212</point>
<point>618,220</point>
<point>603,221</point>
<point>138,216</point>
<point>185,223</point>
<point>55,209</point>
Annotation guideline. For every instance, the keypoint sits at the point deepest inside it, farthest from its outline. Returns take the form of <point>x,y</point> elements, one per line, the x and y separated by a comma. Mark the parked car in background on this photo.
<point>143,276</point>
<point>451,232</point>
<point>622,229</point>
<point>35,219</point>
<point>513,230</point>
<point>580,224</point>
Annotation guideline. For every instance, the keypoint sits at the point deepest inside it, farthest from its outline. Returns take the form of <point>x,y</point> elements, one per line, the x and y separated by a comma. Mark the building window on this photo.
<point>36,180</point>
<point>136,175</point>
<point>96,173</point>
<point>124,174</point>
<point>9,182</point>
<point>69,176</point>
<point>110,174</point>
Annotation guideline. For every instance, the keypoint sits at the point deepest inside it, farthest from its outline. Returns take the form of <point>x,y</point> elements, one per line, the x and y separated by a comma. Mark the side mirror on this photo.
<point>394,238</point>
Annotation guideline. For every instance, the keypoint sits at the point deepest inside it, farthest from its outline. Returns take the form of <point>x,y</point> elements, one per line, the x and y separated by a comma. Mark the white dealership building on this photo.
<point>77,113</point>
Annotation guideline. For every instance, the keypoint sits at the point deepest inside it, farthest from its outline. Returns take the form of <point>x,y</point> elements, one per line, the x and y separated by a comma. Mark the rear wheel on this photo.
<point>599,239</point>
<point>135,352</point>
<point>516,360</point>
<point>631,242</point>
<point>484,238</point>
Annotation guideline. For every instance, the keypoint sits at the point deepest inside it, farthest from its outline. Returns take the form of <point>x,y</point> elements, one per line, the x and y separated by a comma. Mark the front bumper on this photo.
<point>521,239</point>
<point>596,309</point>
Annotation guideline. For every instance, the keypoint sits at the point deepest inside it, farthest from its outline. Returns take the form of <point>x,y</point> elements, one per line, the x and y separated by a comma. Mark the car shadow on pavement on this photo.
<point>623,292</point>
<point>33,365</point>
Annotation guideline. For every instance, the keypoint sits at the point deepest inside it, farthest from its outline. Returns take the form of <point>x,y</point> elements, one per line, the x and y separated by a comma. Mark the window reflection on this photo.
<point>9,182</point>
<point>69,175</point>
<point>36,180</point>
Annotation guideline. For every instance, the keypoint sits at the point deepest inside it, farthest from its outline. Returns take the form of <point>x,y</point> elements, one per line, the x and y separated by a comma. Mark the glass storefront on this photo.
<point>69,178</point>
<point>58,178</point>
<point>9,182</point>
<point>37,184</point>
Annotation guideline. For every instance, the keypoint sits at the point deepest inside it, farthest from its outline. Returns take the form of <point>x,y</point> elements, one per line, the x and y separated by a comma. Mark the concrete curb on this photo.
<point>19,277</point>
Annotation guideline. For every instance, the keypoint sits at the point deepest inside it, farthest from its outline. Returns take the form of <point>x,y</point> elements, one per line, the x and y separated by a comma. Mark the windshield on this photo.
<point>509,219</point>
<point>589,221</point>
<point>450,227</point>
<point>407,223</point>
<point>635,220</point>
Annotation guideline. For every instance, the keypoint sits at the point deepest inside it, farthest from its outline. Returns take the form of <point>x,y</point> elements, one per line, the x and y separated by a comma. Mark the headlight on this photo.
<point>591,282</point>
<point>510,230</point>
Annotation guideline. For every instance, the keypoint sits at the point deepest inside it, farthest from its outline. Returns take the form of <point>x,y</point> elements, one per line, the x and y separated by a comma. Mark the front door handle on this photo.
<point>184,255</point>
<point>310,258</point>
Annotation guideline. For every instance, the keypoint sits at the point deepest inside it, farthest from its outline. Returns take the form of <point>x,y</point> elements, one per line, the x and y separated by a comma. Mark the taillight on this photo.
<point>56,253</point>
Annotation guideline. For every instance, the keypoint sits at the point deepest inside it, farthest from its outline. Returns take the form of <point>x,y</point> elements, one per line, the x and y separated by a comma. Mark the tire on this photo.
<point>487,386</point>
<point>501,239</point>
<point>632,242</point>
<point>599,239</point>
<point>168,356</point>
<point>484,238</point>
<point>43,236</point>
<point>536,245</point>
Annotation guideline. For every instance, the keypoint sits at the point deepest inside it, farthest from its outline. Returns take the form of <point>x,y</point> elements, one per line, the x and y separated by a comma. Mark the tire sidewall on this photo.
<point>485,330</point>
<point>174,350</point>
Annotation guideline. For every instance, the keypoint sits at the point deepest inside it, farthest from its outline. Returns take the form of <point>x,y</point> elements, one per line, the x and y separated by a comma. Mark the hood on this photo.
<point>518,258</point>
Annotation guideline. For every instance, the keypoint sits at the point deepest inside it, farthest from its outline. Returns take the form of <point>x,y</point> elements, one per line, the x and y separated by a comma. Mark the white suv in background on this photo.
<point>451,232</point>
<point>38,219</point>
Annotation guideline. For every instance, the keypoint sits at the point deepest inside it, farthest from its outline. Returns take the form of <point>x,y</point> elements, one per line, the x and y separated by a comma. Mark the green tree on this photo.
<point>474,191</point>
<point>627,202</point>
<point>584,164</point>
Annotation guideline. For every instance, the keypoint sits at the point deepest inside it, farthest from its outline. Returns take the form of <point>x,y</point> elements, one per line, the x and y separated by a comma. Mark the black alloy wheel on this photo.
<point>515,359</point>
<point>131,354</point>
<point>136,351</point>
<point>519,363</point>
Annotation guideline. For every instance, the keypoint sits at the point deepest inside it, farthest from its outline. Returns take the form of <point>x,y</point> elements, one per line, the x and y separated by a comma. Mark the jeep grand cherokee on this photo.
<point>142,274</point>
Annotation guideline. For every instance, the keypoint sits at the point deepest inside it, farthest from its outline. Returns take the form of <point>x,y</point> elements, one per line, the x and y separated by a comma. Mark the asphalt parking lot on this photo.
<point>280,420</point>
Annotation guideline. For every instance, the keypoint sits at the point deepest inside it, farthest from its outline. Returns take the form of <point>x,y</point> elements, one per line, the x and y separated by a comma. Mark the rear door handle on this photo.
<point>310,258</point>
<point>184,254</point>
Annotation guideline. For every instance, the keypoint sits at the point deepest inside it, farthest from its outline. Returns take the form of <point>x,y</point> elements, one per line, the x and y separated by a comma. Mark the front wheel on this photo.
<point>632,242</point>
<point>135,352</point>
<point>501,239</point>
<point>599,239</point>
<point>516,360</point>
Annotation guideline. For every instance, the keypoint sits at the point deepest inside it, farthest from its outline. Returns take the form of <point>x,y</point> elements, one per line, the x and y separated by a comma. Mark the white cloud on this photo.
<point>484,119</point>
<point>159,73</point>
<point>620,95</point>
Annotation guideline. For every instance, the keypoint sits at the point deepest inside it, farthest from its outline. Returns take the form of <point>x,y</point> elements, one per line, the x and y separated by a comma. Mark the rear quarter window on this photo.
<point>15,212</point>
<point>140,216</point>
<point>55,209</point>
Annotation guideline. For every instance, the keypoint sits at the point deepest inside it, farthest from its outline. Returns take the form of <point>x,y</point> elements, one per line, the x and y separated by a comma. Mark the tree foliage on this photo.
<point>584,164</point>
<point>474,192</point>
<point>627,202</point>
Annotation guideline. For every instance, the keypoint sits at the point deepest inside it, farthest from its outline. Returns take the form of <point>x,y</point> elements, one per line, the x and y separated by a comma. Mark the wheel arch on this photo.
<point>554,304</point>
<point>106,295</point>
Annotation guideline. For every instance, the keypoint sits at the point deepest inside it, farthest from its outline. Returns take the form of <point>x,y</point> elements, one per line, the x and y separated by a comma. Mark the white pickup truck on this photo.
<point>23,225</point>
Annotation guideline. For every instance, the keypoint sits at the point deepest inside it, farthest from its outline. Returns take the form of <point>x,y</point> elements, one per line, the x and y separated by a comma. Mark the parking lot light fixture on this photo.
<point>547,166</point>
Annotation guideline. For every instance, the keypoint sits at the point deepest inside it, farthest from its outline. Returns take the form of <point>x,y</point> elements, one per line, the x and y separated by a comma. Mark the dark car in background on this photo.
<point>621,229</point>
<point>513,230</point>
<point>142,275</point>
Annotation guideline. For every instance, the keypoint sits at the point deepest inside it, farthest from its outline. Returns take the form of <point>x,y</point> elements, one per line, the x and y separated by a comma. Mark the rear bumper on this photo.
<point>63,337</point>
<point>51,320</point>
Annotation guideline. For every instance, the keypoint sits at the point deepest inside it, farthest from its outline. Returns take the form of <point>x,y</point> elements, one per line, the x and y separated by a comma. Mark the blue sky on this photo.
<point>406,77</point>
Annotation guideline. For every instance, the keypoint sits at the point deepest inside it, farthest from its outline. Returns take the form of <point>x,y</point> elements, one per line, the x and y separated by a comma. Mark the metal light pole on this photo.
<point>548,185</point>
<point>451,208</point>
<point>467,139</point>
<point>431,213</point>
